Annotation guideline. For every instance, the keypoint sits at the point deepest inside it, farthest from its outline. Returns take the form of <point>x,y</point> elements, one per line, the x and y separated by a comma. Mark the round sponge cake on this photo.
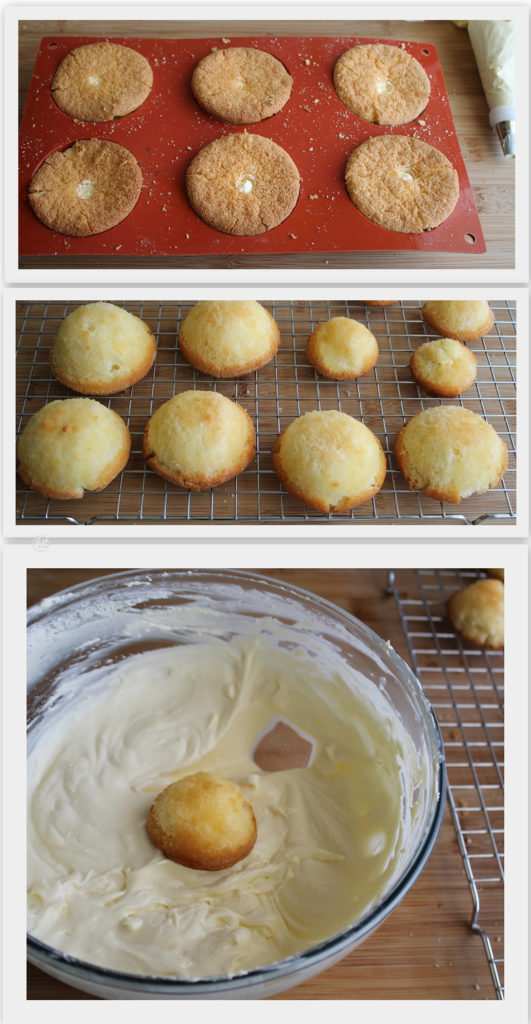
<point>462,319</point>
<point>228,338</point>
<point>203,821</point>
<point>72,446</point>
<point>401,183</point>
<point>101,348</point>
<point>242,184</point>
<point>477,613</point>
<point>449,453</point>
<point>342,349</point>
<point>199,439</point>
<point>382,84</point>
<point>87,188</point>
<point>443,367</point>
<point>101,81</point>
<point>329,460</point>
<point>241,84</point>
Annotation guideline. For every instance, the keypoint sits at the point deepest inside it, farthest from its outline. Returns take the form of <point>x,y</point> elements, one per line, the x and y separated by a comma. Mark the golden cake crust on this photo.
<point>72,446</point>
<point>401,183</point>
<point>381,84</point>
<point>461,319</point>
<point>228,338</point>
<point>329,460</point>
<point>199,439</point>
<point>101,349</point>
<point>87,188</point>
<point>342,349</point>
<point>202,821</point>
<point>449,453</point>
<point>242,184</point>
<point>101,81</point>
<point>443,367</point>
<point>476,612</point>
<point>241,85</point>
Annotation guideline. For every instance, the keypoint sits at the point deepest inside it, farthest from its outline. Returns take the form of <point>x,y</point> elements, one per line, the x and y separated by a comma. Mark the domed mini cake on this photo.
<point>72,446</point>
<point>330,461</point>
<point>101,81</point>
<point>241,85</point>
<point>101,348</point>
<point>476,612</point>
<point>342,349</point>
<point>242,184</point>
<point>463,319</point>
<point>381,84</point>
<point>443,367</point>
<point>228,338</point>
<point>199,439</point>
<point>87,188</point>
<point>202,821</point>
<point>401,183</point>
<point>449,453</point>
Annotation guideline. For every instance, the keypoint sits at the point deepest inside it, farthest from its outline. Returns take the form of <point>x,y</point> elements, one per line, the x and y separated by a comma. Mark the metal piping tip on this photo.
<point>506,131</point>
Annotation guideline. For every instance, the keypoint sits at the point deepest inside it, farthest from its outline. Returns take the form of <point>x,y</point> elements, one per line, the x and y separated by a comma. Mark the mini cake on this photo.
<point>101,81</point>
<point>101,349</point>
<point>242,184</point>
<point>72,446</point>
<point>449,453</point>
<point>386,302</point>
<point>497,574</point>
<point>202,821</point>
<point>329,460</point>
<point>443,367</point>
<point>241,85</point>
<point>228,338</point>
<point>87,188</point>
<point>382,84</point>
<point>463,319</point>
<point>476,612</point>
<point>342,349</point>
<point>199,439</point>
<point>401,183</point>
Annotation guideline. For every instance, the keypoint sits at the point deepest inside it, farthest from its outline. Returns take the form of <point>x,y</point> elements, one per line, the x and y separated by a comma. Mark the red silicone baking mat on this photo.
<point>170,127</point>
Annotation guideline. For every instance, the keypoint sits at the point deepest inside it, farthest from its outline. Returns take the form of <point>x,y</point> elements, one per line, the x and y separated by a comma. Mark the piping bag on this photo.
<point>493,46</point>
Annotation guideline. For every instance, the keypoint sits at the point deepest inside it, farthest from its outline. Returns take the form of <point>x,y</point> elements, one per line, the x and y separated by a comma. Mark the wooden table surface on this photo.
<point>425,949</point>
<point>491,175</point>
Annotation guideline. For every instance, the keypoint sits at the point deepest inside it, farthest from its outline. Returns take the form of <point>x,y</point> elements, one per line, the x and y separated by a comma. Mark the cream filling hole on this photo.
<point>245,183</point>
<point>85,189</point>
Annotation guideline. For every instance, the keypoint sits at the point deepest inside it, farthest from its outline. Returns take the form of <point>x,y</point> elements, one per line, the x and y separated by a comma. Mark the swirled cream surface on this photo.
<point>331,836</point>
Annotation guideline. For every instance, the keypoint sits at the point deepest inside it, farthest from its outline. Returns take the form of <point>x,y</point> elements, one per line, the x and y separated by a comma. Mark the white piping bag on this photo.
<point>493,46</point>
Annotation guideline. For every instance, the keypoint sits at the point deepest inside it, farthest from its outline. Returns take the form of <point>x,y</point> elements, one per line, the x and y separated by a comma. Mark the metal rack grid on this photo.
<point>383,399</point>
<point>465,686</point>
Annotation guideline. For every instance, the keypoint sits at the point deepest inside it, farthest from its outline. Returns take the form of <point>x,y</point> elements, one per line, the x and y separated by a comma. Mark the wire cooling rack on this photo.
<point>465,686</point>
<point>383,399</point>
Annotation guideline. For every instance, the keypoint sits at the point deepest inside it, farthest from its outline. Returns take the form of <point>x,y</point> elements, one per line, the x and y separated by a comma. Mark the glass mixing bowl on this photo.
<point>106,620</point>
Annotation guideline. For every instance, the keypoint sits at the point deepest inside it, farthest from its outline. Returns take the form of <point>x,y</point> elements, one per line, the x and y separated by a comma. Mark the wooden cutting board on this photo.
<point>425,949</point>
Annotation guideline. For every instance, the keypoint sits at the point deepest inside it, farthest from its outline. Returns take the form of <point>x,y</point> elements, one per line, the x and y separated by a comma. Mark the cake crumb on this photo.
<point>291,235</point>
<point>117,248</point>
<point>315,195</point>
<point>225,41</point>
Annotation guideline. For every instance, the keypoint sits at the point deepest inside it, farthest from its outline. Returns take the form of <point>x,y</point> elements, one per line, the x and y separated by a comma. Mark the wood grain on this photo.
<point>491,176</point>
<point>425,949</point>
